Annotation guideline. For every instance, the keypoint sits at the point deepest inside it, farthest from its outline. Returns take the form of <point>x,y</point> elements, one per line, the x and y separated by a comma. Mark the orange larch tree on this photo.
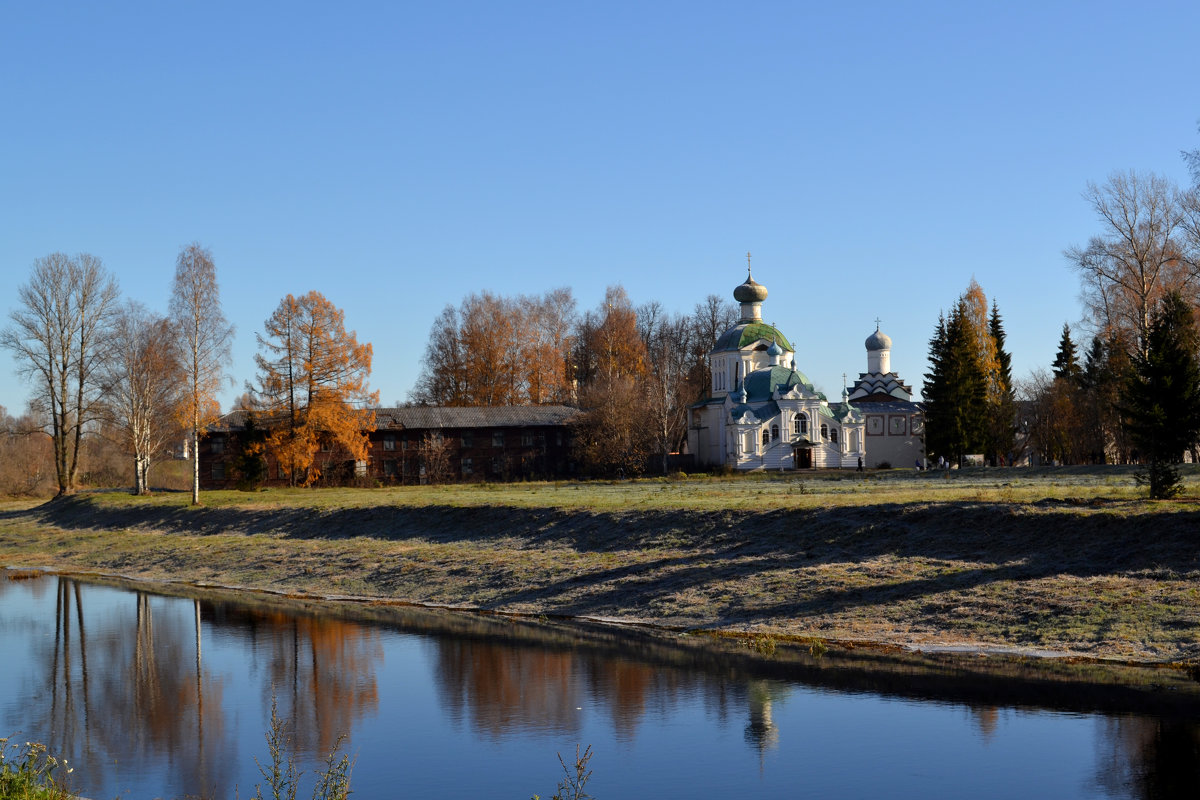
<point>312,386</point>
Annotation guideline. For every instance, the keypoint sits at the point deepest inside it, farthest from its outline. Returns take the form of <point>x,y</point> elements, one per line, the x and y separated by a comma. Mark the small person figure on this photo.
<point>860,469</point>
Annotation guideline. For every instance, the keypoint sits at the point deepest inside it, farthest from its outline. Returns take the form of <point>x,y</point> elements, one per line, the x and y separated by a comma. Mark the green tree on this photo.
<point>1162,402</point>
<point>956,389</point>
<point>1066,361</point>
<point>1001,424</point>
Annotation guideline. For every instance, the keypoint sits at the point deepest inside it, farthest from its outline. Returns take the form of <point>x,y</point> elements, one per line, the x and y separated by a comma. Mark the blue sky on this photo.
<point>874,157</point>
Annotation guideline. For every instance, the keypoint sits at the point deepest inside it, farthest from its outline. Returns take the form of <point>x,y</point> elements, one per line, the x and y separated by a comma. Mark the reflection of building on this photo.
<point>761,733</point>
<point>761,412</point>
<point>895,425</point>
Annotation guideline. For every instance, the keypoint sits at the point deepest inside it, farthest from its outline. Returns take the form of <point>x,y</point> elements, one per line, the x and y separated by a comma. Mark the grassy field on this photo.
<point>1064,560</point>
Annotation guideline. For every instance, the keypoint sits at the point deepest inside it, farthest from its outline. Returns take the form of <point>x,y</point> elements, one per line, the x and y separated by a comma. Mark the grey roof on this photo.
<point>888,407</point>
<point>429,417</point>
<point>472,416</point>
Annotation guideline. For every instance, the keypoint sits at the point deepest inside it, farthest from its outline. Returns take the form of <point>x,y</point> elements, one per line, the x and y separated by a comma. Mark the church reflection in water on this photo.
<point>130,681</point>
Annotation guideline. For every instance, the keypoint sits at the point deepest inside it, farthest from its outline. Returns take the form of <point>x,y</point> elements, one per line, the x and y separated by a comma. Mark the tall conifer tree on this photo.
<point>955,390</point>
<point>1066,361</point>
<point>1001,423</point>
<point>1163,398</point>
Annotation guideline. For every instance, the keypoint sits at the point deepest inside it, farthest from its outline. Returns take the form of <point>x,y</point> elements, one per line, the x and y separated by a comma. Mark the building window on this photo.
<point>800,425</point>
<point>218,471</point>
<point>389,441</point>
<point>852,439</point>
<point>526,439</point>
<point>467,466</point>
<point>558,438</point>
<point>833,436</point>
<point>217,444</point>
<point>774,432</point>
<point>824,431</point>
<point>360,468</point>
<point>497,438</point>
<point>326,445</point>
<point>766,436</point>
<point>389,468</point>
<point>468,440</point>
<point>404,442</point>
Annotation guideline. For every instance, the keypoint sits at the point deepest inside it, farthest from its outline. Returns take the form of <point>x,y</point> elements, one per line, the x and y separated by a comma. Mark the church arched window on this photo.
<point>800,424</point>
<point>824,431</point>
<point>833,436</point>
<point>774,432</point>
<point>766,436</point>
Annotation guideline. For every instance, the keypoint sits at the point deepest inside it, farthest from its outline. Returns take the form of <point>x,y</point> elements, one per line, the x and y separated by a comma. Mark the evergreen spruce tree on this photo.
<point>1162,402</point>
<point>1066,362</point>
<point>955,390</point>
<point>1094,380</point>
<point>1001,422</point>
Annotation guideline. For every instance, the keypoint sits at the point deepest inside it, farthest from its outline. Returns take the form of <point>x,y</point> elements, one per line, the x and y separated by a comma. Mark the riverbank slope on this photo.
<point>1062,561</point>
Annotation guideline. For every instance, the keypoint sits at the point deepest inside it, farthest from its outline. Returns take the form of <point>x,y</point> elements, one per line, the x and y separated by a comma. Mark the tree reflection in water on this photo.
<point>114,700</point>
<point>121,700</point>
<point>1149,758</point>
<point>123,681</point>
<point>322,671</point>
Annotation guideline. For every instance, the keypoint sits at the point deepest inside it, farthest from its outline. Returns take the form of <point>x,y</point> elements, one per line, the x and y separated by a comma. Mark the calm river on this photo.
<point>169,696</point>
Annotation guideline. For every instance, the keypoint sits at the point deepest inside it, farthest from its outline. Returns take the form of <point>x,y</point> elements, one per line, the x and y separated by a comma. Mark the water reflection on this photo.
<point>116,693</point>
<point>151,695</point>
<point>322,671</point>
<point>1149,758</point>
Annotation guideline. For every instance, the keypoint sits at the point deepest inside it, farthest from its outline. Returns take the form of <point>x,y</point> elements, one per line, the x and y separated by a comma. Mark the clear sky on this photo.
<point>873,156</point>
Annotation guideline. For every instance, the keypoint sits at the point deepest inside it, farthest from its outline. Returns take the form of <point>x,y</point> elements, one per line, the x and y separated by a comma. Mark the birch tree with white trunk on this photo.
<point>143,387</point>
<point>203,338</point>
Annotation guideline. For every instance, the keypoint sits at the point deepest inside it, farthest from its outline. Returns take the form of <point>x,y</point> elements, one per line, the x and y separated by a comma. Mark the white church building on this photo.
<point>761,412</point>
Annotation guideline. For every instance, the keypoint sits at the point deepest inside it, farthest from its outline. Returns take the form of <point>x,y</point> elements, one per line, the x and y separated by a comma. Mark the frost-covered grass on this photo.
<point>1068,559</point>
<point>814,489</point>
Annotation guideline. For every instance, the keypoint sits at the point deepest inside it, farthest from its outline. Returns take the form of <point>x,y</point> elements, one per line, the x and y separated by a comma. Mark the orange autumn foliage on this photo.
<point>313,386</point>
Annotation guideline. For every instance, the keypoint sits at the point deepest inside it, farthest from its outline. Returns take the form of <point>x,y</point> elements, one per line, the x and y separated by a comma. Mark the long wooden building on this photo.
<point>418,444</point>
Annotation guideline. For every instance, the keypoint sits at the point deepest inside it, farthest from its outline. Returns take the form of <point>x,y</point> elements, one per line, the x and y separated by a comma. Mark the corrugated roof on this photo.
<point>429,417</point>
<point>472,416</point>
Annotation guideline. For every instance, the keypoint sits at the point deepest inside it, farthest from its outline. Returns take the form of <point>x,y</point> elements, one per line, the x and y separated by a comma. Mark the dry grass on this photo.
<point>1064,560</point>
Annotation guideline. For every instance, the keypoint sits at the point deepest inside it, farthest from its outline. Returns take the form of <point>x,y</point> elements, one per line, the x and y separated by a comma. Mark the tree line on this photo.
<point>117,372</point>
<point>1131,393</point>
<point>632,370</point>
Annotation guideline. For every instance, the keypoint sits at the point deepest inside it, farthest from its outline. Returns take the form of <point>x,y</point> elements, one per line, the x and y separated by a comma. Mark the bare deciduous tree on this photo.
<point>1146,249</point>
<point>26,459</point>
<point>671,381</point>
<point>57,337</point>
<point>142,387</point>
<point>203,339</point>
<point>497,351</point>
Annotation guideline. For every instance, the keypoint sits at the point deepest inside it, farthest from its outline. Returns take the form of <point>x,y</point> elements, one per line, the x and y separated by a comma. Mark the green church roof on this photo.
<point>745,333</point>
<point>761,384</point>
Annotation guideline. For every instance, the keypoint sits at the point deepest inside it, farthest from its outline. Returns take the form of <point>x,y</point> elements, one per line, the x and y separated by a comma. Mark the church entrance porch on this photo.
<point>802,457</point>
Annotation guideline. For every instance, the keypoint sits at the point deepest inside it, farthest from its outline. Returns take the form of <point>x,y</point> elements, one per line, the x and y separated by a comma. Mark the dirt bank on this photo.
<point>1105,578</point>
